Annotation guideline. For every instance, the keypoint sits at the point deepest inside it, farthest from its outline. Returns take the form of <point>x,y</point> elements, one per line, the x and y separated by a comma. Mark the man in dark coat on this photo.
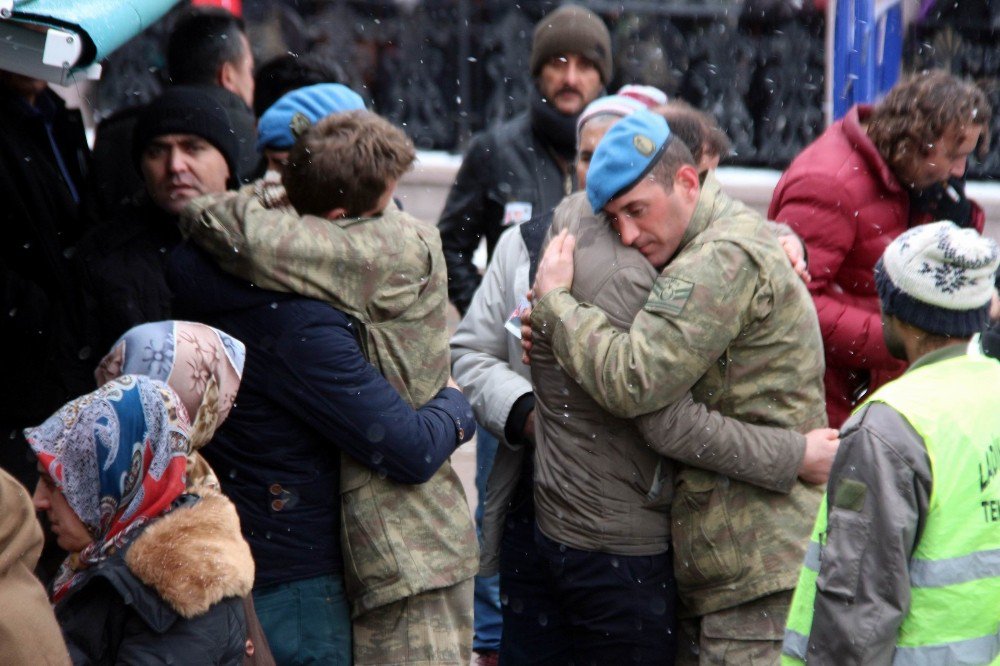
<point>43,165</point>
<point>208,49</point>
<point>184,146</point>
<point>308,394</point>
<point>524,167</point>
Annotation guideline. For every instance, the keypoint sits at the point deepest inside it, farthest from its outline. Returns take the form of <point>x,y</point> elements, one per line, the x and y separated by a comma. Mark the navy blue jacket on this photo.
<point>307,394</point>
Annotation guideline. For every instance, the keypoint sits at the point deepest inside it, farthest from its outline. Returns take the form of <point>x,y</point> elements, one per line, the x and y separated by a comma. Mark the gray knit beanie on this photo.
<point>572,29</point>
<point>939,278</point>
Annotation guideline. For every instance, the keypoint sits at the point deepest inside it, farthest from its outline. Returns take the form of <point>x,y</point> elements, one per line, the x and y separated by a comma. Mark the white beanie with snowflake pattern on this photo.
<point>939,278</point>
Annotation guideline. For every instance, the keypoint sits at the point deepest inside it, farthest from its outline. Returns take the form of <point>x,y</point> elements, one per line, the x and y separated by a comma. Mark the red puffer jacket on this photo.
<point>840,196</point>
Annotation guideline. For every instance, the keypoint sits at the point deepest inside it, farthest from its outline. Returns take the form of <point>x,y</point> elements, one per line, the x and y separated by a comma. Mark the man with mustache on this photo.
<point>515,171</point>
<point>524,167</point>
<point>184,146</point>
<point>207,49</point>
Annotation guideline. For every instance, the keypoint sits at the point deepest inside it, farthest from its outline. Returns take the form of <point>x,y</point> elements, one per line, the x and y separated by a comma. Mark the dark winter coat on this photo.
<point>124,271</point>
<point>307,395</point>
<point>174,596</point>
<point>40,224</point>
<point>841,198</point>
<point>507,164</point>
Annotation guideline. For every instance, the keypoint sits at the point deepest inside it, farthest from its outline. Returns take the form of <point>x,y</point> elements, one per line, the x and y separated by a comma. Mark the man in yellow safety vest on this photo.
<point>904,563</point>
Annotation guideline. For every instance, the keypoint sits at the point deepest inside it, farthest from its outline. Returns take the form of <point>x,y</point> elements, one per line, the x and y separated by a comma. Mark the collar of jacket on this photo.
<point>860,141</point>
<point>942,354</point>
<point>710,206</point>
<point>138,218</point>
<point>193,557</point>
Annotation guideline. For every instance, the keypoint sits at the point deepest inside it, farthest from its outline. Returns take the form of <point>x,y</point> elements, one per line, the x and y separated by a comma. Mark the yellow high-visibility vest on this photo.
<point>954,614</point>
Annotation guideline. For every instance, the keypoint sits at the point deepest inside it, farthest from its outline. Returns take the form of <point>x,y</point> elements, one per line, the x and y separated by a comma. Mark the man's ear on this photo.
<point>227,76</point>
<point>688,181</point>
<point>336,214</point>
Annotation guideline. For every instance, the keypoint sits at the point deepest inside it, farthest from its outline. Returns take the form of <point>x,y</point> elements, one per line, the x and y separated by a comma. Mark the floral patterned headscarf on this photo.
<point>202,364</point>
<point>118,456</point>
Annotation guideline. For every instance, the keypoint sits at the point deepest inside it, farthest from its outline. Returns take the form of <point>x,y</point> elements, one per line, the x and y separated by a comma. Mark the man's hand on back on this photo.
<point>795,251</point>
<point>556,267</point>
<point>821,449</point>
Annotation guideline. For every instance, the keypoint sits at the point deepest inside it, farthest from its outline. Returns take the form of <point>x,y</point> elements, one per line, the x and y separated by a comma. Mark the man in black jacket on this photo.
<point>43,168</point>
<point>207,49</point>
<point>184,146</point>
<point>307,394</point>
<point>512,172</point>
<point>524,167</point>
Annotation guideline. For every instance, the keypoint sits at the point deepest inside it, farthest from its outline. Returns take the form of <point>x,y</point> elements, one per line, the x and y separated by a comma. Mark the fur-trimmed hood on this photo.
<point>194,556</point>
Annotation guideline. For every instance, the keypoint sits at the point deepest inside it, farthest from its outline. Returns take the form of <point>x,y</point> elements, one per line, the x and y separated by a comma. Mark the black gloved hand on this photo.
<point>990,340</point>
<point>943,202</point>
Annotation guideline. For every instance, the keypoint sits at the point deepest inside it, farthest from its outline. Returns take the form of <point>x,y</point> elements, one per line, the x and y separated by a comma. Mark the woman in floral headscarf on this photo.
<point>203,365</point>
<point>154,574</point>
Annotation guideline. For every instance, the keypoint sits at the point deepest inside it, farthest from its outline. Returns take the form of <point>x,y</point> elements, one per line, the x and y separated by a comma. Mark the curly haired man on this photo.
<point>871,176</point>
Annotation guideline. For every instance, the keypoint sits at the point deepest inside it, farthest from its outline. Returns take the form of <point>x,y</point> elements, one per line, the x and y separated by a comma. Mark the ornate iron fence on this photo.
<point>443,69</point>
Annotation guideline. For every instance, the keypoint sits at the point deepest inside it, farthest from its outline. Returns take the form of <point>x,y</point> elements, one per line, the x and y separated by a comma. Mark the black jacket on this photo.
<point>40,224</point>
<point>124,272</point>
<point>188,611</point>
<point>307,395</point>
<point>507,164</point>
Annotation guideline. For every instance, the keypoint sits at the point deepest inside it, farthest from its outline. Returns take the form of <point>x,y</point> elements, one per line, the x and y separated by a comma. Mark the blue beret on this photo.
<point>313,103</point>
<point>625,155</point>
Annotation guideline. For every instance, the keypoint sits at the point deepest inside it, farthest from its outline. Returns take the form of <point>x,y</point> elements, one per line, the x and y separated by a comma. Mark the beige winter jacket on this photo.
<point>29,633</point>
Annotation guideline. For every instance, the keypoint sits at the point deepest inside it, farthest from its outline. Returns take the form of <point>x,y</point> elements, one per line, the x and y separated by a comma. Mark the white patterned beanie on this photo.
<point>939,278</point>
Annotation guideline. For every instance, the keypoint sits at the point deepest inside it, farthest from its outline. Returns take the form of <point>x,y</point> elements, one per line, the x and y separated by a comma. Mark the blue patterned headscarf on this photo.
<point>118,456</point>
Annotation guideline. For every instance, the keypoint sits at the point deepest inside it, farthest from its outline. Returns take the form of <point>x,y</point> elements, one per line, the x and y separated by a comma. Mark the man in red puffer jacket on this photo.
<point>868,178</point>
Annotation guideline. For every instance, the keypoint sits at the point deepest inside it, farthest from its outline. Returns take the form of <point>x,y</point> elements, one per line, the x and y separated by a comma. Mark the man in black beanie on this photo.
<point>184,147</point>
<point>512,172</point>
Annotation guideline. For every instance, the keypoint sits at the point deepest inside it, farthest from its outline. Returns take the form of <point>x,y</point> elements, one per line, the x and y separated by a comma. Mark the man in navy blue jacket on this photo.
<point>308,394</point>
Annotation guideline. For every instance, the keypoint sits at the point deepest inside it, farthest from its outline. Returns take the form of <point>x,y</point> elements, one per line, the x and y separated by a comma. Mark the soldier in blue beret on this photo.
<point>724,317</point>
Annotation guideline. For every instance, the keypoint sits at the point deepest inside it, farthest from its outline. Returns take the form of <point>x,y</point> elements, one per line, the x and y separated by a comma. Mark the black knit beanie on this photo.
<point>187,110</point>
<point>572,29</point>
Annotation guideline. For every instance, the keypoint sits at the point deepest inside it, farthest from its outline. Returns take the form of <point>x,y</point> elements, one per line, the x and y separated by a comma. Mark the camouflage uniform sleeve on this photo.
<point>697,306</point>
<point>273,248</point>
<point>691,433</point>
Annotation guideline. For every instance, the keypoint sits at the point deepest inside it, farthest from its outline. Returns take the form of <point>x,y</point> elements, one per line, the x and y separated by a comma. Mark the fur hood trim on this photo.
<point>194,556</point>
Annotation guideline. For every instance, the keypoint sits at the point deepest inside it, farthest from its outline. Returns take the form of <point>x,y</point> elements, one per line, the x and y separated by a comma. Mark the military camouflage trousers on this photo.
<point>433,627</point>
<point>750,634</point>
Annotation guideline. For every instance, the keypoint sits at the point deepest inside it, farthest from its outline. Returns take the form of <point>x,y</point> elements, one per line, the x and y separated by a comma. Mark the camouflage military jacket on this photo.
<point>728,320</point>
<point>388,273</point>
<point>604,483</point>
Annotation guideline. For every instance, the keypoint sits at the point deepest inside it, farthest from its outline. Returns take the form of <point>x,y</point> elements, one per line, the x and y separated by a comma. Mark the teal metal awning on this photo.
<point>61,40</point>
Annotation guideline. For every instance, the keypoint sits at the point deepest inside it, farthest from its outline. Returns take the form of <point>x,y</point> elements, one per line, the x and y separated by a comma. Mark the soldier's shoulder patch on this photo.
<point>669,295</point>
